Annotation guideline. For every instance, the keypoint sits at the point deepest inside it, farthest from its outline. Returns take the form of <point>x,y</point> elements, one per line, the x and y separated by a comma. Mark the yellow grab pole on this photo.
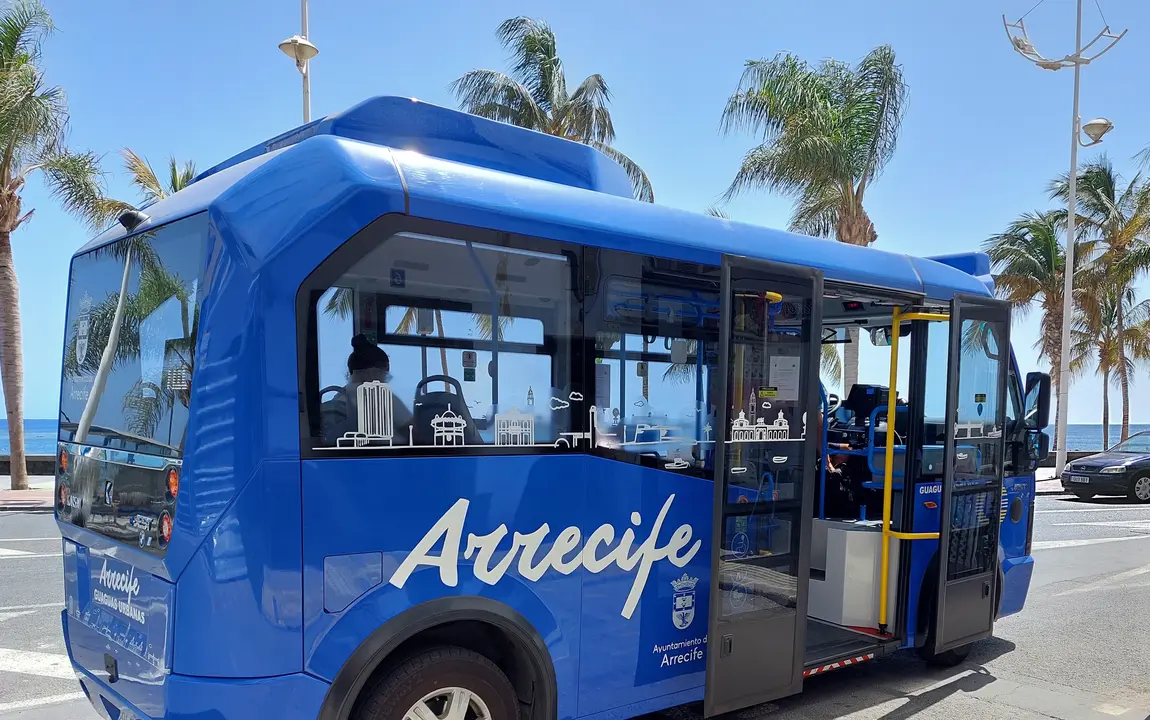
<point>888,471</point>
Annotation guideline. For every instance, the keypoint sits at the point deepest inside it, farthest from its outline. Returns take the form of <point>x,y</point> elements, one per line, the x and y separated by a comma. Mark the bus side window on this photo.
<point>439,343</point>
<point>656,342</point>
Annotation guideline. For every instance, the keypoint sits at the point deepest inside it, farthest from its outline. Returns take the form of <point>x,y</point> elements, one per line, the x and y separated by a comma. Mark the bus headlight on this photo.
<point>1113,469</point>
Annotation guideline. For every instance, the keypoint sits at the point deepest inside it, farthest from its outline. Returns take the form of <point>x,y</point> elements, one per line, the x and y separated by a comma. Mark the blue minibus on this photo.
<point>408,414</point>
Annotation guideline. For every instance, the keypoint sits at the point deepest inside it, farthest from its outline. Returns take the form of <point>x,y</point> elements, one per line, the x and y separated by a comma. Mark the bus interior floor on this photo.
<point>827,642</point>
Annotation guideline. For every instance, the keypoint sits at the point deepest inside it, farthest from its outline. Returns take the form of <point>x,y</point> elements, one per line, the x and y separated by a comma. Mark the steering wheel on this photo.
<point>834,402</point>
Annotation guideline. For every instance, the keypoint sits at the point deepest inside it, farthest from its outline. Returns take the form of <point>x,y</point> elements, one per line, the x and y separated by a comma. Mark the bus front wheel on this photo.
<point>442,682</point>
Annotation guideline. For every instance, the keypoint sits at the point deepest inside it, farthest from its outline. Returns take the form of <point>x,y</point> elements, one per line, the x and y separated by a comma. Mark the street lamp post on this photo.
<point>298,48</point>
<point>1094,129</point>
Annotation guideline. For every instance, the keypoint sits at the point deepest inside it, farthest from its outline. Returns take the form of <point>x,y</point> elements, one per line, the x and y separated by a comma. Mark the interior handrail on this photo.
<point>897,318</point>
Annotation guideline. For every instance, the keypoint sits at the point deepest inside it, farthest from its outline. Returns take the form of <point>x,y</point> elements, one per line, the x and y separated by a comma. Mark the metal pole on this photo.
<point>1068,272</point>
<point>305,67</point>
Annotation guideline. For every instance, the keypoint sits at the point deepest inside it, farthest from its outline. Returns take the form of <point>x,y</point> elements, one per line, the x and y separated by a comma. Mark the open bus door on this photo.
<point>764,473</point>
<point>975,450</point>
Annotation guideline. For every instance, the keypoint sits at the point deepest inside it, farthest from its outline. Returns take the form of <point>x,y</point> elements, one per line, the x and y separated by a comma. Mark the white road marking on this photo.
<point>38,606</point>
<point>7,552</point>
<point>40,702</point>
<point>1117,580</point>
<point>39,664</point>
<point>1111,709</point>
<point>1078,509</point>
<point>14,614</point>
<point>1059,544</point>
<point>45,539</point>
<point>1132,524</point>
<point>19,555</point>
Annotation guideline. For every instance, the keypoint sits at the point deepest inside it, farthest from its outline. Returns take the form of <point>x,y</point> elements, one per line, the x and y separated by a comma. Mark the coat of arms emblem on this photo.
<point>683,603</point>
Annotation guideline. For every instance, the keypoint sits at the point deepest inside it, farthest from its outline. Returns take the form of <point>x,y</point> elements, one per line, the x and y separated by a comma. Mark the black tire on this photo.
<point>1132,492</point>
<point>948,658</point>
<point>393,694</point>
<point>1083,495</point>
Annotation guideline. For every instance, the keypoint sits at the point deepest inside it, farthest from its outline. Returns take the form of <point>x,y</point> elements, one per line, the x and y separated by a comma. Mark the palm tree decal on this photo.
<point>828,131</point>
<point>534,96</point>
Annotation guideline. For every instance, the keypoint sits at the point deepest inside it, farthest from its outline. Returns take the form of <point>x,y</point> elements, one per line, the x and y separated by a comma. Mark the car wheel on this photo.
<point>446,682</point>
<point>1140,489</point>
<point>947,658</point>
<point>1081,495</point>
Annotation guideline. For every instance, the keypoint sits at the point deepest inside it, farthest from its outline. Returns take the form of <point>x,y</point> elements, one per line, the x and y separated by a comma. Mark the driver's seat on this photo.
<point>442,418</point>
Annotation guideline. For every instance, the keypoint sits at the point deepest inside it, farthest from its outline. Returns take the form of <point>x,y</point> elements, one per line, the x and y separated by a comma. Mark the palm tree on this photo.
<point>149,185</point>
<point>33,119</point>
<point>828,131</point>
<point>1029,262</point>
<point>1098,341</point>
<point>534,96</point>
<point>1118,216</point>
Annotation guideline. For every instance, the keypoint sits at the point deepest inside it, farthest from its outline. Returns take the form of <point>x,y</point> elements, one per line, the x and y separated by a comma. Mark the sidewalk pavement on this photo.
<point>38,498</point>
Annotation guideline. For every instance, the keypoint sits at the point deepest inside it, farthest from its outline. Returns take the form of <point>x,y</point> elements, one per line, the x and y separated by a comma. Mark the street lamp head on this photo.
<point>1096,128</point>
<point>299,49</point>
<point>1023,45</point>
<point>1050,64</point>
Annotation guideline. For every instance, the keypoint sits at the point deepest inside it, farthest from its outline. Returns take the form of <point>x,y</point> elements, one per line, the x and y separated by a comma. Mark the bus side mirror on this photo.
<point>1037,410</point>
<point>1039,446</point>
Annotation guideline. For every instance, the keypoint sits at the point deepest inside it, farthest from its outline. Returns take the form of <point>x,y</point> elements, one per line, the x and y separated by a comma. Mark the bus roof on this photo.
<point>457,167</point>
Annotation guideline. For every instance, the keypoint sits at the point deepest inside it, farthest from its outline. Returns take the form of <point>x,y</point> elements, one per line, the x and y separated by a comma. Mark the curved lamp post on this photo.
<point>1094,129</point>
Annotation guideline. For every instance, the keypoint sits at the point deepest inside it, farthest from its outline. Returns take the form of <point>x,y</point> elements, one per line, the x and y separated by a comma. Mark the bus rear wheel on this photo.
<point>947,658</point>
<point>445,682</point>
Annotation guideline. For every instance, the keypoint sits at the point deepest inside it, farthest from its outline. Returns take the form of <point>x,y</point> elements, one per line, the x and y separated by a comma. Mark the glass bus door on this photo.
<point>975,451</point>
<point>764,472</point>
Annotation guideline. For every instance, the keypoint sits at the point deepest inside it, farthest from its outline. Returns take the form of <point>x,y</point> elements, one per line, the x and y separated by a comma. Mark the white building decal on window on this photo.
<point>743,430</point>
<point>514,429</point>
<point>448,428</point>
<point>375,416</point>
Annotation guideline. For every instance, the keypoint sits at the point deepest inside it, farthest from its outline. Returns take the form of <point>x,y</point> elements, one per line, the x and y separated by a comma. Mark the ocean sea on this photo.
<point>40,436</point>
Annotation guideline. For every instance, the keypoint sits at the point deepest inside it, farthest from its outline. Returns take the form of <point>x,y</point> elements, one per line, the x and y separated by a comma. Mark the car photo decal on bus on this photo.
<point>567,554</point>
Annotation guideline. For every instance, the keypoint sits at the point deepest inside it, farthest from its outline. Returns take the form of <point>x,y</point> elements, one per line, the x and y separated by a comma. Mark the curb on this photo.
<point>1051,492</point>
<point>13,507</point>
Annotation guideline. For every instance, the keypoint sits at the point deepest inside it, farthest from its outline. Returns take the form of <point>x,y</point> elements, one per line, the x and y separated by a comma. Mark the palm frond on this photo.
<point>535,59</point>
<point>180,177</point>
<point>717,212</point>
<point>830,364</point>
<point>143,176</point>
<point>496,96</point>
<point>32,119</point>
<point>340,303</point>
<point>586,113</point>
<point>77,181</point>
<point>640,184</point>
<point>23,25</point>
<point>817,211</point>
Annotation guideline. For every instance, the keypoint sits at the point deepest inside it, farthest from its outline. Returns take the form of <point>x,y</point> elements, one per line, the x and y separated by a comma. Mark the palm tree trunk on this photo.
<point>106,359</point>
<point>1105,409</point>
<point>851,361</point>
<point>854,226</point>
<point>1123,375</point>
<point>12,362</point>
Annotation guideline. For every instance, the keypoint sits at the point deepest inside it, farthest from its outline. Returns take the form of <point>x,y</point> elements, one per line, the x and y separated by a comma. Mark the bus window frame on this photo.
<point>326,275</point>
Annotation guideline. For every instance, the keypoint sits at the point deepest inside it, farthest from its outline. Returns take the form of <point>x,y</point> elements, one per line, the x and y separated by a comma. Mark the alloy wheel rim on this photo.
<point>1142,488</point>
<point>452,703</point>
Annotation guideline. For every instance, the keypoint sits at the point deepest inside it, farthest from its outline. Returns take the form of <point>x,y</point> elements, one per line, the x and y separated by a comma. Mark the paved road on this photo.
<point>1078,651</point>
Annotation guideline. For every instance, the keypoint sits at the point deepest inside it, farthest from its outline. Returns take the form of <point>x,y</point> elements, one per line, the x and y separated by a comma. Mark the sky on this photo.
<point>984,130</point>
